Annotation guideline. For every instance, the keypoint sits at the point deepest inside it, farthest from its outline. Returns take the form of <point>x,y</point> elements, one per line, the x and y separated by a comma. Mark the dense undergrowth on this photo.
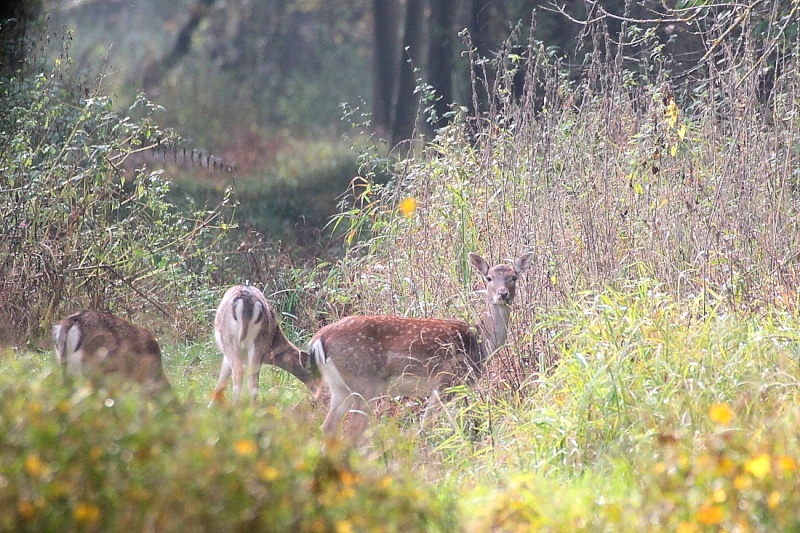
<point>651,378</point>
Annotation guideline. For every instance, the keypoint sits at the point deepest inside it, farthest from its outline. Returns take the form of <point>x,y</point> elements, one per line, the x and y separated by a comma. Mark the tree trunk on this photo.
<point>15,20</point>
<point>440,57</point>
<point>385,62</point>
<point>405,110</point>
<point>155,72</point>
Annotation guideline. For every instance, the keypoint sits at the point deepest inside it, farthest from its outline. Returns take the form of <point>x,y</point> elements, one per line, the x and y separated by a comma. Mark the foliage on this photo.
<point>79,459</point>
<point>80,227</point>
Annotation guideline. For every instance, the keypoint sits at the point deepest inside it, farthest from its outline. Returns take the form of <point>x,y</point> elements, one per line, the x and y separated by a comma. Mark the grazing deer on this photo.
<point>362,358</point>
<point>106,344</point>
<point>246,328</point>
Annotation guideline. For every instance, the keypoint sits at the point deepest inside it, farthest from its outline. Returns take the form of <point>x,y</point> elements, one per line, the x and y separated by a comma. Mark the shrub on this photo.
<point>82,459</point>
<point>80,229</point>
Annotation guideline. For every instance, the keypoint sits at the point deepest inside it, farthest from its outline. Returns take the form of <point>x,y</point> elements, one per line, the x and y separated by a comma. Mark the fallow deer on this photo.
<point>362,358</point>
<point>246,329</point>
<point>97,342</point>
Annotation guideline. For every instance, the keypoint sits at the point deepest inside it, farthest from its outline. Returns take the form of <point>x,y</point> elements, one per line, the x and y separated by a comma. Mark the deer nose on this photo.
<point>503,293</point>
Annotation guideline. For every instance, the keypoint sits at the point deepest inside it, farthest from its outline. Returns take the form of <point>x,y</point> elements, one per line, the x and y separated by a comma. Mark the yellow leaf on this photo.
<point>671,112</point>
<point>673,150</point>
<point>681,132</point>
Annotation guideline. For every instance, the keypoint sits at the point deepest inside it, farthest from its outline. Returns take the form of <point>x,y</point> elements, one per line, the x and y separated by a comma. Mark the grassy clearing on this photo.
<point>658,416</point>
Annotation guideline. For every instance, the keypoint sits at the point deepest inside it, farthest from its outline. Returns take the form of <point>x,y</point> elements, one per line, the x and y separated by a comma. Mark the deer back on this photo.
<point>107,344</point>
<point>398,356</point>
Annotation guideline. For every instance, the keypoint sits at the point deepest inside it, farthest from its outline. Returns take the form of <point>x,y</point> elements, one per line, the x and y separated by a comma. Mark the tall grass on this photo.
<point>624,173</point>
<point>652,369</point>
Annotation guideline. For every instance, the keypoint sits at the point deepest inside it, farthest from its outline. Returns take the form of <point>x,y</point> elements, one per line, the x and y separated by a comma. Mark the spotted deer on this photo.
<point>362,358</point>
<point>99,343</point>
<point>247,330</point>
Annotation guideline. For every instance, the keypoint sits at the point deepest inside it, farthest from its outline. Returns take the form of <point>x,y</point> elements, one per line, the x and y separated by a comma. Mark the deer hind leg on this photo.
<point>436,401</point>
<point>237,371</point>
<point>341,399</point>
<point>364,409</point>
<point>222,382</point>
<point>253,370</point>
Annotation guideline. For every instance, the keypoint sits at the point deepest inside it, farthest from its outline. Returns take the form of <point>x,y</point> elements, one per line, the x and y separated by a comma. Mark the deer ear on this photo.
<point>522,262</point>
<point>479,264</point>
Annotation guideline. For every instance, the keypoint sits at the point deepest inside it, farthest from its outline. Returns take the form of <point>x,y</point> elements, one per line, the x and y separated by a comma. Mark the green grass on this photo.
<point>623,434</point>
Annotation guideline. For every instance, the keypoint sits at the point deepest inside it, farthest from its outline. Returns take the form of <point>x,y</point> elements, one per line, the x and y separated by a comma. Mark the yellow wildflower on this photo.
<point>708,515</point>
<point>786,464</point>
<point>686,527</point>
<point>759,466</point>
<point>721,413</point>
<point>86,513</point>
<point>407,206</point>
<point>244,447</point>
<point>34,466</point>
<point>269,473</point>
<point>774,499</point>
<point>742,482</point>
<point>343,526</point>
<point>26,510</point>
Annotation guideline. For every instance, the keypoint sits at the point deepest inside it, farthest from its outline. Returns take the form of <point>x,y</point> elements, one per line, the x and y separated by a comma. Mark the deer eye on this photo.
<point>513,278</point>
<point>488,278</point>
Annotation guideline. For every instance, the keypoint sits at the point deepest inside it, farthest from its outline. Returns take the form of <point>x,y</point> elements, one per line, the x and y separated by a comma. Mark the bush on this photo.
<point>81,230</point>
<point>81,459</point>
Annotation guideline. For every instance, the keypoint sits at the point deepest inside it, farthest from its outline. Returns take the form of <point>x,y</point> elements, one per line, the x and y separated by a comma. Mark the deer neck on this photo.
<point>289,357</point>
<point>494,327</point>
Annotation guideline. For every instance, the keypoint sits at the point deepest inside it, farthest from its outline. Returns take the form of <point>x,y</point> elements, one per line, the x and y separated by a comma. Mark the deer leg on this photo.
<point>222,382</point>
<point>253,370</point>
<point>341,398</point>
<point>237,369</point>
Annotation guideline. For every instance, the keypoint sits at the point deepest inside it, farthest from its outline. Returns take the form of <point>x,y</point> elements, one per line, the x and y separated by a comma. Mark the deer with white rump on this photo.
<point>362,358</point>
<point>247,330</point>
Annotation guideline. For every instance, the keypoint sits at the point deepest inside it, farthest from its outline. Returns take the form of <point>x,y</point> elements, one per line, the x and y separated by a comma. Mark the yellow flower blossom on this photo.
<point>709,515</point>
<point>686,527</point>
<point>407,206</point>
<point>346,477</point>
<point>343,526</point>
<point>244,447</point>
<point>86,513</point>
<point>26,510</point>
<point>269,473</point>
<point>774,499</point>
<point>786,464</point>
<point>34,466</point>
<point>742,482</point>
<point>759,466</point>
<point>721,413</point>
